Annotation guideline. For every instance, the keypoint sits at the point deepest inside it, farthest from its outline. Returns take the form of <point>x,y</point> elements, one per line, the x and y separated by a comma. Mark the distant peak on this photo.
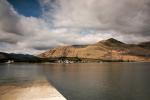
<point>112,40</point>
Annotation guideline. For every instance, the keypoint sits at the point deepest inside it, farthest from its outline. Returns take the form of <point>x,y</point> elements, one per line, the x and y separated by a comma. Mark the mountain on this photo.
<point>145,45</point>
<point>106,50</point>
<point>4,57</point>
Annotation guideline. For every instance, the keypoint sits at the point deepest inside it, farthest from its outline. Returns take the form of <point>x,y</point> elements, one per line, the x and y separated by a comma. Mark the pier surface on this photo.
<point>36,90</point>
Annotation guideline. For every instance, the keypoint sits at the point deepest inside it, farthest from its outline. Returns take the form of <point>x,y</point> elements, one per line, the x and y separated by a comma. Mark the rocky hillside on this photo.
<point>4,57</point>
<point>106,50</point>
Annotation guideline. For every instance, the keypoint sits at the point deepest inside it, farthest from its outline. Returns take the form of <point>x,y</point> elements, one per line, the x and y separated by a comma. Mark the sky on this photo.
<point>34,26</point>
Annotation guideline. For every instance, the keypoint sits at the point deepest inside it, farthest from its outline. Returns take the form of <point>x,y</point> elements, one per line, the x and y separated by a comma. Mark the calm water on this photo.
<point>105,81</point>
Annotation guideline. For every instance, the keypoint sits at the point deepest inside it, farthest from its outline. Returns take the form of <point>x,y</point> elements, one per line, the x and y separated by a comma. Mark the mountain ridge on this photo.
<point>5,57</point>
<point>110,49</point>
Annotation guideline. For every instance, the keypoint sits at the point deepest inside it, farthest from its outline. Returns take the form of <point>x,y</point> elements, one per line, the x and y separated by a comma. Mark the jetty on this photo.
<point>36,90</point>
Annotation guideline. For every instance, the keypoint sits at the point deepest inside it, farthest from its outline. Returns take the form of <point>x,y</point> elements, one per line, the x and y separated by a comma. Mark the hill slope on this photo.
<point>4,57</point>
<point>108,50</point>
<point>145,45</point>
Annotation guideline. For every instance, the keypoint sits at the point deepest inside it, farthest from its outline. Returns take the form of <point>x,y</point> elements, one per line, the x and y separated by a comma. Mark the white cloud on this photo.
<point>67,22</point>
<point>125,16</point>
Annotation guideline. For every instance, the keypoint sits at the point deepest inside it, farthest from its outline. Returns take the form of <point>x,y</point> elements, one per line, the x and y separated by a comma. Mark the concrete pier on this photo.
<point>36,90</point>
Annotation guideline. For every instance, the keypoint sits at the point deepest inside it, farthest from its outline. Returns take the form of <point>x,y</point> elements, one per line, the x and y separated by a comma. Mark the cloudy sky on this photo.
<point>33,26</point>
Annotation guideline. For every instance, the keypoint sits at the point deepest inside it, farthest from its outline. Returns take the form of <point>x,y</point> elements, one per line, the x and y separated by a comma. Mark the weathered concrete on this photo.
<point>37,90</point>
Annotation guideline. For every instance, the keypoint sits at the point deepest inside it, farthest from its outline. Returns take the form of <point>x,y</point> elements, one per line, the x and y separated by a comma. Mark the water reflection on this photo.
<point>105,81</point>
<point>19,73</point>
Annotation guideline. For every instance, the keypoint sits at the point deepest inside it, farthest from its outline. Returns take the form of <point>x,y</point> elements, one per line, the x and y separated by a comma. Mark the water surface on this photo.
<point>90,81</point>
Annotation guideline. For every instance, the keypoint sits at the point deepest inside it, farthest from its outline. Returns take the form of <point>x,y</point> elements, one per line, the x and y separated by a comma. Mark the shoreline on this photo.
<point>36,90</point>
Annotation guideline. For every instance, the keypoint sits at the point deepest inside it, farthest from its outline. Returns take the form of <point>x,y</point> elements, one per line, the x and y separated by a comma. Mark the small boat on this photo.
<point>9,61</point>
